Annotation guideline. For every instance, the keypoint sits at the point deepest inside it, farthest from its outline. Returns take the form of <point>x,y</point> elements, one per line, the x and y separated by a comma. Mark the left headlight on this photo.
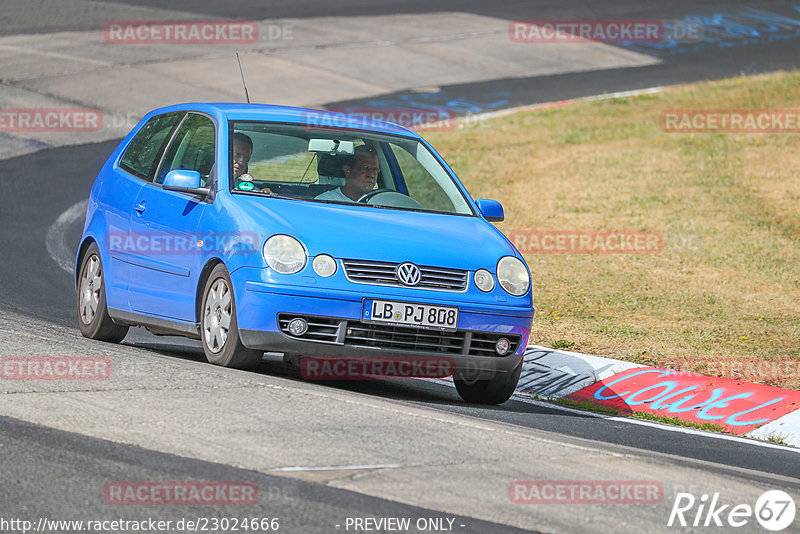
<point>284,253</point>
<point>513,276</point>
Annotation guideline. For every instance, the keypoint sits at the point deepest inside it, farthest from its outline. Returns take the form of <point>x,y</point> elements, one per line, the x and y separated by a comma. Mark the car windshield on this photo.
<point>340,166</point>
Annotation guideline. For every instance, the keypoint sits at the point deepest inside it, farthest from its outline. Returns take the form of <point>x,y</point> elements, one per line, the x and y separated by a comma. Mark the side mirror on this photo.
<point>185,181</point>
<point>491,209</point>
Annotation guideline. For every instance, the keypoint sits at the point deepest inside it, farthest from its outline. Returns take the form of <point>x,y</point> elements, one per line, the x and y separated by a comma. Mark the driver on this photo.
<point>361,175</point>
<point>242,150</point>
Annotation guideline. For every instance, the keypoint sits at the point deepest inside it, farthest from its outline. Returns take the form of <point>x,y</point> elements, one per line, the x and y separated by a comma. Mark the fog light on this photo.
<point>483,280</point>
<point>298,327</point>
<point>324,265</point>
<point>501,347</point>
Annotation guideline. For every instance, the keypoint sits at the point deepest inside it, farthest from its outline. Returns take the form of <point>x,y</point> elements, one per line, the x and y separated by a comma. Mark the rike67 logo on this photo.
<point>774,510</point>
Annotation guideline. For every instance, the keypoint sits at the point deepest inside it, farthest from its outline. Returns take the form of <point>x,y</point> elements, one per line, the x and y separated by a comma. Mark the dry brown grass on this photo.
<point>726,285</point>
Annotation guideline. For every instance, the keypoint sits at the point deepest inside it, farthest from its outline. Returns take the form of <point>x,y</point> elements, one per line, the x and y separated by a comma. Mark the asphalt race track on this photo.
<point>323,453</point>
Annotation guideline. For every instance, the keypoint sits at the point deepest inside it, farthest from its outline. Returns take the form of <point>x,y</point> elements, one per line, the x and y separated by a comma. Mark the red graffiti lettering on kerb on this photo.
<point>736,406</point>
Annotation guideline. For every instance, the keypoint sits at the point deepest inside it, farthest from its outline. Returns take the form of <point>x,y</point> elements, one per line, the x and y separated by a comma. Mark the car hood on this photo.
<point>356,232</point>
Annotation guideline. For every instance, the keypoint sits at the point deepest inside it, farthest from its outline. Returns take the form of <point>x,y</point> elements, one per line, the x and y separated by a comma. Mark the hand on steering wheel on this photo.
<point>366,196</point>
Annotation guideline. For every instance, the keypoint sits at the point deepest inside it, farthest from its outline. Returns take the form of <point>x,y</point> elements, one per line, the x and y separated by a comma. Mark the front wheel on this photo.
<point>218,327</point>
<point>93,319</point>
<point>495,390</point>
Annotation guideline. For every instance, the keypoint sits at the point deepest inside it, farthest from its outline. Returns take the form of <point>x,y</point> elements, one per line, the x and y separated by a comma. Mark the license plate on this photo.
<point>410,314</point>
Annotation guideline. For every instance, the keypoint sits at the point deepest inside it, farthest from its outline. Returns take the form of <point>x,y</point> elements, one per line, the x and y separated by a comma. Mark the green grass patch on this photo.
<point>711,427</point>
<point>586,405</point>
<point>778,438</point>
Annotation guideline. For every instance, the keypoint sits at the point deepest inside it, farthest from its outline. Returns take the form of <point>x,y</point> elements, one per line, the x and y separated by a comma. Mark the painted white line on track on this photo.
<point>338,468</point>
<point>57,233</point>
<point>634,421</point>
<point>472,118</point>
<point>654,424</point>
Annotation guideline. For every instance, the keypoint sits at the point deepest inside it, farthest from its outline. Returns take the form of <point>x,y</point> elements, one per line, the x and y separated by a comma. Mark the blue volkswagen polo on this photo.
<point>313,234</point>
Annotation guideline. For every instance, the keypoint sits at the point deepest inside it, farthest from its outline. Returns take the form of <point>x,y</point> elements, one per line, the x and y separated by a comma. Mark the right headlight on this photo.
<point>513,276</point>
<point>284,253</point>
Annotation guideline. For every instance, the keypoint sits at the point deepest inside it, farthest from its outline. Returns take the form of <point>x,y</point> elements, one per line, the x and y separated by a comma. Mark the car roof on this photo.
<point>291,115</point>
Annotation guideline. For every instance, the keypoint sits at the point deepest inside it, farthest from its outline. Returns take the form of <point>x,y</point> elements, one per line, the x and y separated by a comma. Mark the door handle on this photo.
<point>140,207</point>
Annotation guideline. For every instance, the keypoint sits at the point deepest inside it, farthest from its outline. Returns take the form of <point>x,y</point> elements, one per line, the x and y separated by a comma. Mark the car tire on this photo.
<point>93,319</point>
<point>219,332</point>
<point>495,390</point>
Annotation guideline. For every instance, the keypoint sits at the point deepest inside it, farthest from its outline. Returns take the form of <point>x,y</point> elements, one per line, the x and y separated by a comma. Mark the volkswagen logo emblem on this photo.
<point>408,274</point>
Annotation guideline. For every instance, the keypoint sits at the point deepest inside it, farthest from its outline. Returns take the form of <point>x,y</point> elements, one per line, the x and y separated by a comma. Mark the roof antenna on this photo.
<point>247,96</point>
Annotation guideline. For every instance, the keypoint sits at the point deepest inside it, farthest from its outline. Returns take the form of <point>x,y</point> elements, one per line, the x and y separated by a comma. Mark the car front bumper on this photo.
<point>263,309</point>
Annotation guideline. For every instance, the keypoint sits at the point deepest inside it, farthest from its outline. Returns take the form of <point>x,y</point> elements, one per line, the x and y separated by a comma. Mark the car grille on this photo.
<point>383,273</point>
<point>319,328</point>
<point>400,338</point>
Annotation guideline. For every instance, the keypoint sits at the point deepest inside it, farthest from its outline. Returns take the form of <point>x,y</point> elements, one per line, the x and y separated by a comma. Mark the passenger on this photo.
<point>361,175</point>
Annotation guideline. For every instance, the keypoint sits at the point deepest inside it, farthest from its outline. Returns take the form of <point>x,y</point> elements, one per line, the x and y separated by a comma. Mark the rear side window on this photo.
<point>142,154</point>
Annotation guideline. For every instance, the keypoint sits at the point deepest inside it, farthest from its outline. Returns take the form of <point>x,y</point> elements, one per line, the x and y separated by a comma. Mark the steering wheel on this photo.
<point>367,196</point>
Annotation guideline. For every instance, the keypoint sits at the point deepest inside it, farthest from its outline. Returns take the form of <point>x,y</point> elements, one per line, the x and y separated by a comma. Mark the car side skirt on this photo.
<point>156,325</point>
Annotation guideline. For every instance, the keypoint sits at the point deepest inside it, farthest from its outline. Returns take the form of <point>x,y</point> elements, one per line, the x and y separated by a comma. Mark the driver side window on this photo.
<point>422,187</point>
<point>192,148</point>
